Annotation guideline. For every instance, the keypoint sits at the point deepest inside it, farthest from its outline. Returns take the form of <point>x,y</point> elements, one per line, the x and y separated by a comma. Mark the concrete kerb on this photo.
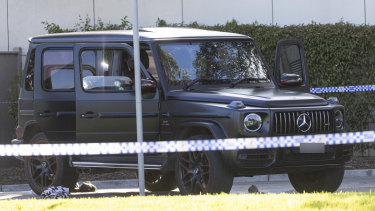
<point>133,183</point>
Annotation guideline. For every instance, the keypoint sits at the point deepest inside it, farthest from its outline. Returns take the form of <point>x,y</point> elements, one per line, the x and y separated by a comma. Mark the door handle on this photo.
<point>89,115</point>
<point>46,114</point>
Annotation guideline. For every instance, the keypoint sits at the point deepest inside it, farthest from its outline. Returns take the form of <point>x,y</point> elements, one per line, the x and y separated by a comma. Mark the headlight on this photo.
<point>339,120</point>
<point>252,122</point>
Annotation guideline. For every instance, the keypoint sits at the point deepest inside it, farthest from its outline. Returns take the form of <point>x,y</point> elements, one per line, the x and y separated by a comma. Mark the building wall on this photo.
<point>24,17</point>
<point>3,26</point>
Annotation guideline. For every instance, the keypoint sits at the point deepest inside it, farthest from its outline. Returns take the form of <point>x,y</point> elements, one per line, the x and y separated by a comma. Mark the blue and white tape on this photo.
<point>196,145</point>
<point>361,88</point>
<point>183,146</point>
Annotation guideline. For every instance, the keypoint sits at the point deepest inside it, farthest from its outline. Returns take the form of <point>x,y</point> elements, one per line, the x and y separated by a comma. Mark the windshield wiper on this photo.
<point>191,83</point>
<point>234,83</point>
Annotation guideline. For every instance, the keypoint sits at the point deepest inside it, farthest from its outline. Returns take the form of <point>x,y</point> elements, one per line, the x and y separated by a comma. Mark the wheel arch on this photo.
<point>188,129</point>
<point>31,128</point>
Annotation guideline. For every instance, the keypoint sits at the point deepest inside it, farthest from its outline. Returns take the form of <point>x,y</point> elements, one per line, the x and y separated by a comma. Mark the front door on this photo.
<point>105,95</point>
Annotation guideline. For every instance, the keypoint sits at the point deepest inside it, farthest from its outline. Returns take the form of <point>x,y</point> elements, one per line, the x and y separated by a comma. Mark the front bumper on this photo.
<point>285,160</point>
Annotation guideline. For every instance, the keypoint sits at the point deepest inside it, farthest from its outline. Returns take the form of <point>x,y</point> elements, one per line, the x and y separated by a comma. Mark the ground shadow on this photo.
<point>117,194</point>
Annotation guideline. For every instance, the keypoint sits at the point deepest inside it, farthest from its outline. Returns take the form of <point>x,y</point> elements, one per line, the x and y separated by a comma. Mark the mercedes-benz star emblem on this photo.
<point>304,123</point>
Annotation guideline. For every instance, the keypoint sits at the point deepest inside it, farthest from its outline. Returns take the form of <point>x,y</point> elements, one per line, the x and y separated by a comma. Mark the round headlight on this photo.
<point>339,119</point>
<point>252,122</point>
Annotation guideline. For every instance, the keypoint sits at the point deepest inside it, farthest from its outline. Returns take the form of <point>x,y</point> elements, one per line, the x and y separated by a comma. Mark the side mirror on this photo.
<point>290,66</point>
<point>290,79</point>
<point>148,88</point>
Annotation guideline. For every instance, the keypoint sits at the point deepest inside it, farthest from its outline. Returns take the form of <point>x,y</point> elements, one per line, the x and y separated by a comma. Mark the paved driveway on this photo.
<point>354,180</point>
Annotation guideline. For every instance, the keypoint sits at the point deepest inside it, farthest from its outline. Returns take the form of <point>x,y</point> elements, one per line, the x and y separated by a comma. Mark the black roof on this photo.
<point>145,34</point>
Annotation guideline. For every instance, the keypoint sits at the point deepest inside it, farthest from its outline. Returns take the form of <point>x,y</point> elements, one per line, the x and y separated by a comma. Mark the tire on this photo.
<point>43,172</point>
<point>326,180</point>
<point>157,181</point>
<point>202,172</point>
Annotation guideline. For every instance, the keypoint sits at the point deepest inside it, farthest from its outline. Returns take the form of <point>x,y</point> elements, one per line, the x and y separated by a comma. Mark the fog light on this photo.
<point>253,122</point>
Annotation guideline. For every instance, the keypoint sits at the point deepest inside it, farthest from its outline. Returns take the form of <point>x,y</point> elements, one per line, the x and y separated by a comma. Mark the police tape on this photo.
<point>360,88</point>
<point>184,145</point>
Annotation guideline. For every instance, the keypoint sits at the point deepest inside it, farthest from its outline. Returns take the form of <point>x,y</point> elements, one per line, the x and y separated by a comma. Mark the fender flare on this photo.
<point>215,129</point>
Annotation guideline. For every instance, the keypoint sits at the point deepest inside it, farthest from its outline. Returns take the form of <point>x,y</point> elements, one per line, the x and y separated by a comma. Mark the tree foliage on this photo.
<point>84,24</point>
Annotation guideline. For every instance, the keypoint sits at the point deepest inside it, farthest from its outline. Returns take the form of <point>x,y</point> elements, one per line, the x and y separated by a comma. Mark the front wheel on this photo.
<point>43,172</point>
<point>202,172</point>
<point>326,180</point>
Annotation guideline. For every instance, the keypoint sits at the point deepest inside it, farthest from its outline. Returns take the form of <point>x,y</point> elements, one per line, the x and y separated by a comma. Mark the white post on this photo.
<point>138,98</point>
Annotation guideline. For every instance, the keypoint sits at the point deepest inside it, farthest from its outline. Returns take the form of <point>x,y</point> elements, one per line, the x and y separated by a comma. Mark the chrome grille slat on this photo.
<point>285,123</point>
<point>281,123</point>
<point>276,120</point>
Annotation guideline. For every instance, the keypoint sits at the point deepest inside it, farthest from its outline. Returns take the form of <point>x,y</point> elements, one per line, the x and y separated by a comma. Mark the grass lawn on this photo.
<point>316,201</point>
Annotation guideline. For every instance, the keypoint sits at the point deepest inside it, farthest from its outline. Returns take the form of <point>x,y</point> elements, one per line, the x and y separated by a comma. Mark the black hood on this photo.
<point>259,97</point>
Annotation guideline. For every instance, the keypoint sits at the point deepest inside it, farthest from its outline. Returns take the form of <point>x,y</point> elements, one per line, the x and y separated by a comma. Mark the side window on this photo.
<point>29,78</point>
<point>58,70</point>
<point>106,70</point>
<point>148,61</point>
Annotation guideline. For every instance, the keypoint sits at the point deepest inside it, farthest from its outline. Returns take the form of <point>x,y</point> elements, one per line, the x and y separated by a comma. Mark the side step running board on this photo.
<point>112,165</point>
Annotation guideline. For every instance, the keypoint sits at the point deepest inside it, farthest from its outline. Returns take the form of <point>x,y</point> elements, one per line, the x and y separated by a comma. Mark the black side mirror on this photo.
<point>290,79</point>
<point>148,88</point>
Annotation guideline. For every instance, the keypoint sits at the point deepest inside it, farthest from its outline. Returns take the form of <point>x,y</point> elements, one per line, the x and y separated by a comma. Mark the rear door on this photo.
<point>290,66</point>
<point>54,96</point>
<point>105,96</point>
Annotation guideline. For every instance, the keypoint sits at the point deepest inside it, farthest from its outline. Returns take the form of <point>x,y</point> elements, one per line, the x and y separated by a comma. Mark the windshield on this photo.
<point>212,62</point>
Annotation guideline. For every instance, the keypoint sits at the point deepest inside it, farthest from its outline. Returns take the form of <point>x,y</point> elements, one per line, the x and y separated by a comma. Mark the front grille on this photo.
<point>285,123</point>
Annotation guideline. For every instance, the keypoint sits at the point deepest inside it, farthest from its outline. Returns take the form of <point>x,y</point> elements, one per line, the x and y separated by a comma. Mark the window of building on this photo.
<point>58,69</point>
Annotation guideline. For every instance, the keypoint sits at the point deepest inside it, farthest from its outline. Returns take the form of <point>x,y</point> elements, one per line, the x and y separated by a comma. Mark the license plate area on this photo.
<point>312,148</point>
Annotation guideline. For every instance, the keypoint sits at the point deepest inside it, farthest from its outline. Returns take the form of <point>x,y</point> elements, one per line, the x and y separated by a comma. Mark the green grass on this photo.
<point>316,201</point>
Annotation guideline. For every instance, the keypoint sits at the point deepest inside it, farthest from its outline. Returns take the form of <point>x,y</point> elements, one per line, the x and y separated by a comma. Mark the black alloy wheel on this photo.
<point>202,172</point>
<point>43,172</point>
<point>194,171</point>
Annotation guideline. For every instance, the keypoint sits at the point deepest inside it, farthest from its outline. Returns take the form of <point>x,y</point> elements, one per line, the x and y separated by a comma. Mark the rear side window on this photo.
<point>58,70</point>
<point>29,78</point>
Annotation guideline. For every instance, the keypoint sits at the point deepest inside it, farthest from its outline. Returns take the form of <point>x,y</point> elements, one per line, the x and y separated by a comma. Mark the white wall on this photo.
<point>370,12</point>
<point>151,10</point>
<point>211,12</point>
<point>25,17</point>
<point>112,11</point>
<point>288,12</point>
<point>3,26</point>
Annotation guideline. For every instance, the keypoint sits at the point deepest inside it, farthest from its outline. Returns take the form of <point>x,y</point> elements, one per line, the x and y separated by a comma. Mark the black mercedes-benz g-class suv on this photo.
<point>196,84</point>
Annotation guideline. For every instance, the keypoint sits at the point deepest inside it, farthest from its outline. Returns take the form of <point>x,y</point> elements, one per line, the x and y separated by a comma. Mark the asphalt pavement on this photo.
<point>354,181</point>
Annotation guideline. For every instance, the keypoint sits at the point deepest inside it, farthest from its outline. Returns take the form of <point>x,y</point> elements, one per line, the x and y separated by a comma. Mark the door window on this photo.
<point>58,70</point>
<point>106,70</point>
